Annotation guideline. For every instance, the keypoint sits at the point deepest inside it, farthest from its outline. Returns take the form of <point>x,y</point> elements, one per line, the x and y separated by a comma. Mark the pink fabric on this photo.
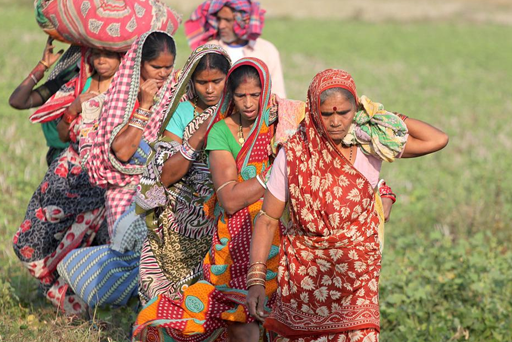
<point>368,165</point>
<point>101,163</point>
<point>107,24</point>
<point>268,53</point>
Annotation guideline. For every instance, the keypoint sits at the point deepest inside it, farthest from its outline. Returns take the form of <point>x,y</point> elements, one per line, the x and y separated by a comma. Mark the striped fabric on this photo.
<point>100,275</point>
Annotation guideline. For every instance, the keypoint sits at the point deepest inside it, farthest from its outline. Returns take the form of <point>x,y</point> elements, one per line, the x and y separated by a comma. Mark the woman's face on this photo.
<point>158,69</point>
<point>337,114</point>
<point>247,99</point>
<point>209,84</point>
<point>105,62</point>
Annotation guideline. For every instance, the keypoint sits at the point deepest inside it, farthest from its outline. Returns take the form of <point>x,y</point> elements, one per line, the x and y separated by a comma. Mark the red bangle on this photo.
<point>402,116</point>
<point>386,192</point>
<point>391,196</point>
<point>68,117</point>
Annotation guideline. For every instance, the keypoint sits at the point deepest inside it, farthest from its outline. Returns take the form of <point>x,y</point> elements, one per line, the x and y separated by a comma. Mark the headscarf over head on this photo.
<point>184,88</point>
<point>226,108</point>
<point>102,165</point>
<point>203,24</point>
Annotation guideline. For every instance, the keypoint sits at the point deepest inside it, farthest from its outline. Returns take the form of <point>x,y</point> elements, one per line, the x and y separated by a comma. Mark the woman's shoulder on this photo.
<point>220,126</point>
<point>184,108</point>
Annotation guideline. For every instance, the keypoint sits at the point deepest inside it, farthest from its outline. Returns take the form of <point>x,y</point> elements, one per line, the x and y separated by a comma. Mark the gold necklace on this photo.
<point>241,139</point>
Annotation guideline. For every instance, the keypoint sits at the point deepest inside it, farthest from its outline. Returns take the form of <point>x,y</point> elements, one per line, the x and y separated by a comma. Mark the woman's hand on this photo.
<point>387,205</point>
<point>147,93</point>
<point>48,56</point>
<point>256,301</point>
<point>197,139</point>
<point>76,106</point>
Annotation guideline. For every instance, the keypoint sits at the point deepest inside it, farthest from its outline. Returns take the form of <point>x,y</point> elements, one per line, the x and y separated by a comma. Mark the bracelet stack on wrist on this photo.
<point>386,192</point>
<point>257,274</point>
<point>140,118</point>
<point>188,152</point>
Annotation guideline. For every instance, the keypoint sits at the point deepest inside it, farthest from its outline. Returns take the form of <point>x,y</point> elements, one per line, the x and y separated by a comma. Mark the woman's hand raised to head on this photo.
<point>147,92</point>
<point>423,139</point>
<point>49,58</point>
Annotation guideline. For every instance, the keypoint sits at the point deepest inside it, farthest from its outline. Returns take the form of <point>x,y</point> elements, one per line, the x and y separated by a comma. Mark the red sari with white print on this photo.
<point>329,259</point>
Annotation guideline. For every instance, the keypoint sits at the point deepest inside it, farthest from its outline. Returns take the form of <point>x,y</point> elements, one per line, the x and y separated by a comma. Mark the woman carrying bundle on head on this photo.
<point>67,212</point>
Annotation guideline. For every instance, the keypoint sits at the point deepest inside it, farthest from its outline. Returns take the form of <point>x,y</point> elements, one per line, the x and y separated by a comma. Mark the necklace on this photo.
<point>241,139</point>
<point>195,107</point>
<point>350,155</point>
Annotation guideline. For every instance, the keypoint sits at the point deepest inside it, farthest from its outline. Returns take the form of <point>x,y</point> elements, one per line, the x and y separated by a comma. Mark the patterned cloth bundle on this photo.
<point>109,24</point>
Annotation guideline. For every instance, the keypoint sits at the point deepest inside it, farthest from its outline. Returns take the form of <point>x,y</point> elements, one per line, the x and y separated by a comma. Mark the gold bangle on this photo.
<point>258,263</point>
<point>44,64</point>
<point>257,272</point>
<point>253,283</point>
<point>136,126</point>
<point>262,212</point>
<point>256,280</point>
<point>140,117</point>
<point>257,267</point>
<point>223,185</point>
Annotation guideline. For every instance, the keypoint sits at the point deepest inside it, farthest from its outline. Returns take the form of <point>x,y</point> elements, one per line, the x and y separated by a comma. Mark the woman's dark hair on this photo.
<point>241,74</point>
<point>155,44</point>
<point>213,61</point>
<point>342,91</point>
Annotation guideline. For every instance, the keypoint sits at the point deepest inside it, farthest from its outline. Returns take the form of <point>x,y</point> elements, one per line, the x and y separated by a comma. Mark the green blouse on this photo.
<point>220,138</point>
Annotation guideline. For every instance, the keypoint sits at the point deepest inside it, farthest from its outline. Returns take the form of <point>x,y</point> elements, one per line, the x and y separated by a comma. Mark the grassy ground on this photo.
<point>442,277</point>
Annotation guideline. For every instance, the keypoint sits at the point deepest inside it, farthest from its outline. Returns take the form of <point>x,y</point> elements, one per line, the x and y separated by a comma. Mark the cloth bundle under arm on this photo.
<point>378,132</point>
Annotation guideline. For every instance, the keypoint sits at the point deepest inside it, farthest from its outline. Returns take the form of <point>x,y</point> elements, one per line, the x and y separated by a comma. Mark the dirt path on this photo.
<point>477,11</point>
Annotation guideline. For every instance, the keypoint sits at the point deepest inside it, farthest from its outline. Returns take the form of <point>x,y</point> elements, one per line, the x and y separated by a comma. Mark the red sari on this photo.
<point>329,257</point>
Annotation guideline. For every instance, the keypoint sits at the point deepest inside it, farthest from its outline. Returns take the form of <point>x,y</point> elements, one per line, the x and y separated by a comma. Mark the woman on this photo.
<point>177,185</point>
<point>26,97</point>
<point>115,154</point>
<point>66,211</point>
<point>240,155</point>
<point>329,255</point>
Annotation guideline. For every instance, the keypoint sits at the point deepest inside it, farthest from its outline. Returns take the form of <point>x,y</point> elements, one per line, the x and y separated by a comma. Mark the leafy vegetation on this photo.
<point>446,273</point>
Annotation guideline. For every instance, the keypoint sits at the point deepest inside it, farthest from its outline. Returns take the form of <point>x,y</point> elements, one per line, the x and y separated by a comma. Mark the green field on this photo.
<point>447,264</point>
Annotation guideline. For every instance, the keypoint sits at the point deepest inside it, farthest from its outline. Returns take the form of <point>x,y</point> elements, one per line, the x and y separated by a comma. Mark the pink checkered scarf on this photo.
<point>102,165</point>
<point>203,26</point>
